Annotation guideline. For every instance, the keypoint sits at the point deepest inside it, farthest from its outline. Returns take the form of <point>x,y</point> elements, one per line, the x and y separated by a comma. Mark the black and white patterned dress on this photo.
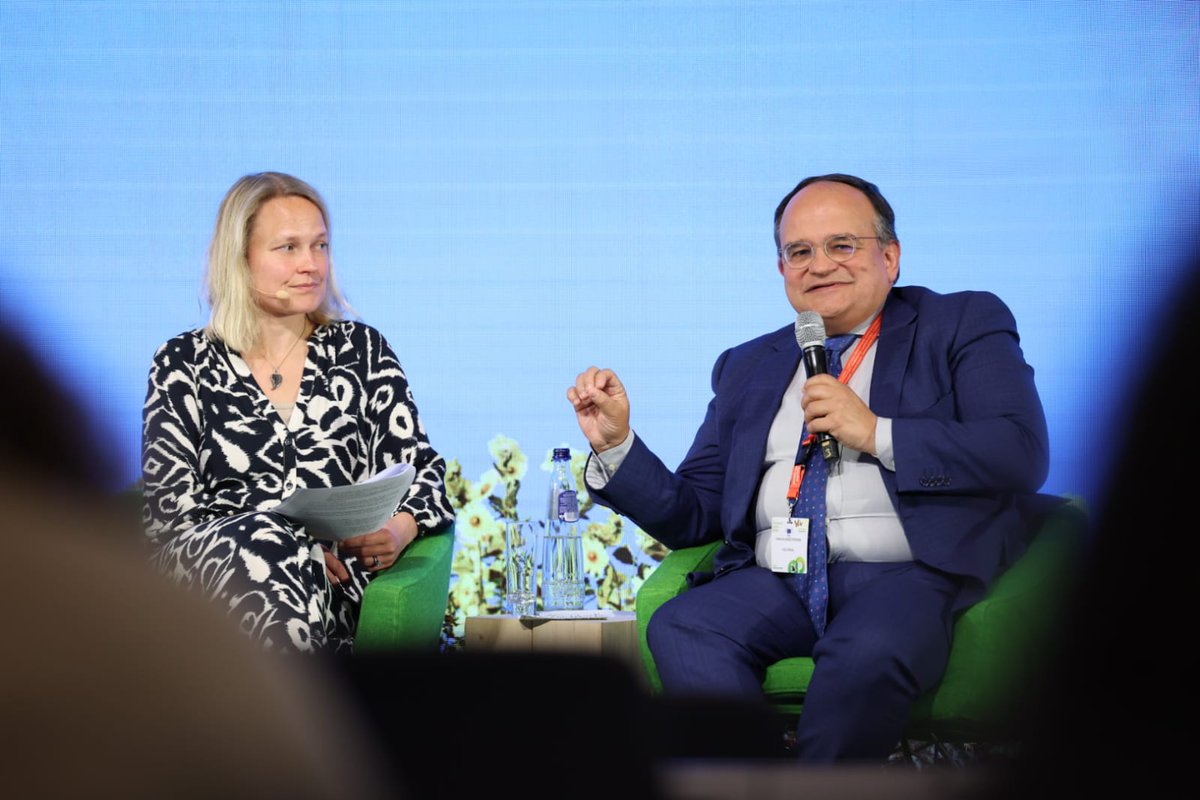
<point>217,456</point>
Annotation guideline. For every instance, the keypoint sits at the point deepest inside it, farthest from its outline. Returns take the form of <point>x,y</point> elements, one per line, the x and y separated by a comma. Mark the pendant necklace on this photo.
<point>276,378</point>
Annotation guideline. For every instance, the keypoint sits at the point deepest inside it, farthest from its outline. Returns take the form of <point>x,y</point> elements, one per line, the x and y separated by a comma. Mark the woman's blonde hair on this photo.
<point>231,298</point>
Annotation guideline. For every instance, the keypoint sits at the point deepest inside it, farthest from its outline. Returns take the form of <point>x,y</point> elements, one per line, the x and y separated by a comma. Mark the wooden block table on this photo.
<point>614,635</point>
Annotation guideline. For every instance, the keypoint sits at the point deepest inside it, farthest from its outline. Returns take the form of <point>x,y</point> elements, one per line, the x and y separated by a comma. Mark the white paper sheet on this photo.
<point>342,512</point>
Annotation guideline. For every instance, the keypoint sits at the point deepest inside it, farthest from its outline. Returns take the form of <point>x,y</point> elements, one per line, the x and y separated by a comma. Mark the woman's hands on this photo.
<point>335,570</point>
<point>377,550</point>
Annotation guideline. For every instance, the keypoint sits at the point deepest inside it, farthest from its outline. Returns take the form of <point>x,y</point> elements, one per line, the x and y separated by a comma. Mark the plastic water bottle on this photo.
<point>562,557</point>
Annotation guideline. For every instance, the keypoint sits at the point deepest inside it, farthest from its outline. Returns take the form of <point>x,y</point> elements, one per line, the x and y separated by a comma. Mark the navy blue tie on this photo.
<point>813,585</point>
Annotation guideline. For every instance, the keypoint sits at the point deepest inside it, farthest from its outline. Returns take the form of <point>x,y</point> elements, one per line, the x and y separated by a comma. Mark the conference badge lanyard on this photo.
<point>787,548</point>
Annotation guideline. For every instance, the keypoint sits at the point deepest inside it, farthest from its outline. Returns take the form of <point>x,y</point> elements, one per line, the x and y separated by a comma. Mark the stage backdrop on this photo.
<point>520,190</point>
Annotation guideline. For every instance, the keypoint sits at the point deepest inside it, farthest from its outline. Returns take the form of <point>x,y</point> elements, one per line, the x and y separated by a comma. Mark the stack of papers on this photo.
<point>342,512</point>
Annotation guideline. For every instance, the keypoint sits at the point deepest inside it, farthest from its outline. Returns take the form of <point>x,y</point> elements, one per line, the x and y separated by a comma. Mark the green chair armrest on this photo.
<point>405,606</point>
<point>1000,641</point>
<point>668,579</point>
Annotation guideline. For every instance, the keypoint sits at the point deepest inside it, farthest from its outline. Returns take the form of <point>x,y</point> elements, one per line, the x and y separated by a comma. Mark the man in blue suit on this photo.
<point>942,438</point>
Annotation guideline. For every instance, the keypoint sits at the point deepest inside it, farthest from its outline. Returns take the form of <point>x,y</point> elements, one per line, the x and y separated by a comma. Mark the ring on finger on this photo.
<point>376,561</point>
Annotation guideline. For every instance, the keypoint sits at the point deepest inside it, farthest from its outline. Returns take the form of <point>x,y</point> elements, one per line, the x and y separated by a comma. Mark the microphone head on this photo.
<point>810,330</point>
<point>278,294</point>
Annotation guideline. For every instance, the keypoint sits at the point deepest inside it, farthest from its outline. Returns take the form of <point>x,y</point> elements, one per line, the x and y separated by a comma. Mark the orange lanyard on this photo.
<point>856,358</point>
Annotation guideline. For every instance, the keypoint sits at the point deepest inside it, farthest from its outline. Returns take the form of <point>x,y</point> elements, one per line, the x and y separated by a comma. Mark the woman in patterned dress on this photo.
<point>276,393</point>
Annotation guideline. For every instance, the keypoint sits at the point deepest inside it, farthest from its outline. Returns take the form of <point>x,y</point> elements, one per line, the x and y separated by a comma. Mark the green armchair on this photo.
<point>998,642</point>
<point>405,605</point>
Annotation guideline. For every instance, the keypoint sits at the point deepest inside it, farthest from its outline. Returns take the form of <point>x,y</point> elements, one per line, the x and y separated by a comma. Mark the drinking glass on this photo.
<point>520,567</point>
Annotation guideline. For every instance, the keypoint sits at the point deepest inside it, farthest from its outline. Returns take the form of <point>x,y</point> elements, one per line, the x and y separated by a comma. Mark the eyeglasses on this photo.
<point>839,247</point>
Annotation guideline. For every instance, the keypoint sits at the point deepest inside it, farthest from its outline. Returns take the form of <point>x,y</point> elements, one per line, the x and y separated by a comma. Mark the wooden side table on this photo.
<point>614,636</point>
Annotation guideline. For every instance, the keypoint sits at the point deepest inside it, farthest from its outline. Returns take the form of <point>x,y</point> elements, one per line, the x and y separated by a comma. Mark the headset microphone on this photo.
<point>280,294</point>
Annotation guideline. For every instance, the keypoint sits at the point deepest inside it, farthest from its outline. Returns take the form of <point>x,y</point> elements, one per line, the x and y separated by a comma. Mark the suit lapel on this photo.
<point>892,355</point>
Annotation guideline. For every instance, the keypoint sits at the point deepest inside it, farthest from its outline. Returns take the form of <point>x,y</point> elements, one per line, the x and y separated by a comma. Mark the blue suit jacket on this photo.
<point>968,430</point>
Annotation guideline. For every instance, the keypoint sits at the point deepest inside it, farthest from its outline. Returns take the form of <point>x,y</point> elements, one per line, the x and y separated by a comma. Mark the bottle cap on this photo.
<point>562,453</point>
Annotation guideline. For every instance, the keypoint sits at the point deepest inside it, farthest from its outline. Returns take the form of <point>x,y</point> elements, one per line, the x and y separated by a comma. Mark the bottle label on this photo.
<point>568,506</point>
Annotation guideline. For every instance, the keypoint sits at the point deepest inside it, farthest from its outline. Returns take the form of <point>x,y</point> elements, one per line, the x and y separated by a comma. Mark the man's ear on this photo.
<point>891,256</point>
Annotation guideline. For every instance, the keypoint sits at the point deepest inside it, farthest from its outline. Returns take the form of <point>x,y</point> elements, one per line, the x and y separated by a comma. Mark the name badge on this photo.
<point>785,547</point>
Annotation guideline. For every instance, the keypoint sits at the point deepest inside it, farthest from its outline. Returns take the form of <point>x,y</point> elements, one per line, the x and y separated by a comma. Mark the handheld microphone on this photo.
<point>810,335</point>
<point>279,294</point>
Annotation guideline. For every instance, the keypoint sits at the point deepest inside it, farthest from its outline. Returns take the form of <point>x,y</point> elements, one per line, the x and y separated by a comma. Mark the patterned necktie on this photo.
<point>813,586</point>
